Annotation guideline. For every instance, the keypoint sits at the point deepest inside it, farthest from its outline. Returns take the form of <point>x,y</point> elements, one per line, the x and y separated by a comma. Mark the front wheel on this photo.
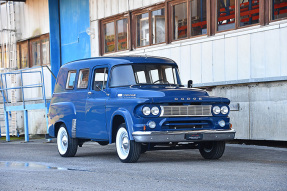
<point>128,151</point>
<point>212,150</point>
<point>67,146</point>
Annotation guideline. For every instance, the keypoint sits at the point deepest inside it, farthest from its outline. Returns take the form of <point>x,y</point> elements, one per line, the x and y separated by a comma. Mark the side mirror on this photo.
<point>189,84</point>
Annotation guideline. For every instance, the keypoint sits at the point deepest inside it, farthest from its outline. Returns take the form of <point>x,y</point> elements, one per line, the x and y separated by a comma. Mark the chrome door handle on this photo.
<point>90,93</point>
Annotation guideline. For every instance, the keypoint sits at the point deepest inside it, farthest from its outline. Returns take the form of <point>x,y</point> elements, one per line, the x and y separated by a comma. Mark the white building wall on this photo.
<point>247,55</point>
<point>31,20</point>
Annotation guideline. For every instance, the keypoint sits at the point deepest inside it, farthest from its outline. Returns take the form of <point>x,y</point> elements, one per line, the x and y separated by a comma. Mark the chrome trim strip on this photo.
<point>179,136</point>
<point>190,110</point>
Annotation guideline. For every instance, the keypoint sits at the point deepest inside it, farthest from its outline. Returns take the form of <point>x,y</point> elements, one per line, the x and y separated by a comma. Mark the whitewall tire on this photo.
<point>67,146</point>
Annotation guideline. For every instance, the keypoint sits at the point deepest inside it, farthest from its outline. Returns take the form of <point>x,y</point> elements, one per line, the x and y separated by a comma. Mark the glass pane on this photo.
<point>225,14</point>
<point>45,52</point>
<point>18,57</point>
<point>180,21</point>
<point>122,76</point>
<point>71,80</point>
<point>249,12</point>
<point>24,55</point>
<point>83,78</point>
<point>279,9</point>
<point>36,53</point>
<point>142,30</point>
<point>158,26</point>
<point>154,75</point>
<point>198,17</point>
<point>109,30</point>
<point>122,36</point>
<point>100,79</point>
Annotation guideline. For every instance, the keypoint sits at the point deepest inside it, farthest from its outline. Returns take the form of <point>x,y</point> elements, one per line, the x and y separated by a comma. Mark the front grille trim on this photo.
<point>186,111</point>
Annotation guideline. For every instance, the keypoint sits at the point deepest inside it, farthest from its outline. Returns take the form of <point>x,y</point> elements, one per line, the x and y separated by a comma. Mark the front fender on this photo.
<point>128,119</point>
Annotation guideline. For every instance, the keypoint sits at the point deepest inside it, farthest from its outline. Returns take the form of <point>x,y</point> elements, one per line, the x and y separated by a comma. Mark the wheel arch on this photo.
<point>119,117</point>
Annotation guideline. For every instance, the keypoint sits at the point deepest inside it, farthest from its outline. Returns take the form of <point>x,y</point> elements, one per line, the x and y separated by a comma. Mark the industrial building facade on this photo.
<point>232,48</point>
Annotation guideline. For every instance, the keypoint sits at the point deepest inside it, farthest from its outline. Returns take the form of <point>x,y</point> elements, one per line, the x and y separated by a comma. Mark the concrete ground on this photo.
<point>38,166</point>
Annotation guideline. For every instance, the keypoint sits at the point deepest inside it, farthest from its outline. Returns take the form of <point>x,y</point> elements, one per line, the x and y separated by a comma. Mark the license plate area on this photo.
<point>193,136</point>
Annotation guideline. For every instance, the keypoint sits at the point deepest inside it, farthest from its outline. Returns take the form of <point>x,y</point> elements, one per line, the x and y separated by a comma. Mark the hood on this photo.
<point>166,94</point>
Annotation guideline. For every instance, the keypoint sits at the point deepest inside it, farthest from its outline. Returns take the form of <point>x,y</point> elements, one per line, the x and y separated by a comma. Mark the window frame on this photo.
<point>102,32</point>
<point>79,80</point>
<point>39,39</point>
<point>106,72</point>
<point>148,10</point>
<point>68,79</point>
<point>270,6</point>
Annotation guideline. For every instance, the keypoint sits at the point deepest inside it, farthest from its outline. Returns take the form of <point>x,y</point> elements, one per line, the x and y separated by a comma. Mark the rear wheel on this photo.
<point>212,150</point>
<point>67,146</point>
<point>128,150</point>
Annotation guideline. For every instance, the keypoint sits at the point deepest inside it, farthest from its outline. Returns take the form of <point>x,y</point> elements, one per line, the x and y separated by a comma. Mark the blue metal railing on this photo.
<point>24,106</point>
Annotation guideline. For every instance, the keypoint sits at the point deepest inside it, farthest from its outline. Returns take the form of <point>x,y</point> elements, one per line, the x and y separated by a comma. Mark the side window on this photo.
<point>83,79</point>
<point>100,79</point>
<point>71,79</point>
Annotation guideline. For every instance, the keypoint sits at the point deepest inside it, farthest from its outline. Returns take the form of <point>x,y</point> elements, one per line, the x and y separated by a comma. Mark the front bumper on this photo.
<point>183,136</point>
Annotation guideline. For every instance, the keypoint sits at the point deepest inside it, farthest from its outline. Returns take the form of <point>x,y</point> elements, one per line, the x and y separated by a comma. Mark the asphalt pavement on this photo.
<point>38,166</point>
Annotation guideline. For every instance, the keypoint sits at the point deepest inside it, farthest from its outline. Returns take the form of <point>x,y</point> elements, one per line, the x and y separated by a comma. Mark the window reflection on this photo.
<point>158,26</point>
<point>279,9</point>
<point>122,34</point>
<point>225,15</point>
<point>109,32</point>
<point>249,12</point>
<point>179,21</point>
<point>198,17</point>
<point>142,30</point>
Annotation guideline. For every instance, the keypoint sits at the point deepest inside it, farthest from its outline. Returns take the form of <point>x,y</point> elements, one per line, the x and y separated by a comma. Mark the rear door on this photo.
<point>96,104</point>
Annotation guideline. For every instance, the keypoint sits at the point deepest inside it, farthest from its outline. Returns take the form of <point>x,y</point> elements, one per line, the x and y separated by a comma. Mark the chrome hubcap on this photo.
<point>62,141</point>
<point>125,142</point>
<point>122,143</point>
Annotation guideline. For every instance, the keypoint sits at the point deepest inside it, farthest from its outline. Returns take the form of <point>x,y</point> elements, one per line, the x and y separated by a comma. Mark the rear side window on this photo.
<point>83,79</point>
<point>71,79</point>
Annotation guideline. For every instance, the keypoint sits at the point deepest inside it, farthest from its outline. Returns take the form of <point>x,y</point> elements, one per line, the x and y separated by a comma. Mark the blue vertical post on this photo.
<point>7,126</point>
<point>26,125</point>
<point>250,8</point>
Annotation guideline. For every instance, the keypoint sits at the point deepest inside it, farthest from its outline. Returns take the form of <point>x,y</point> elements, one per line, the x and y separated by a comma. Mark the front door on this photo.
<point>96,105</point>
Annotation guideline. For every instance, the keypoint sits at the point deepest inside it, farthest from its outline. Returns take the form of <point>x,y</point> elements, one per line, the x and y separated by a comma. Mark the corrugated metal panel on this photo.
<point>283,50</point>
<point>243,57</point>
<point>218,60</point>
<point>207,73</point>
<point>272,53</point>
<point>257,55</point>
<point>185,61</point>
<point>230,59</point>
<point>196,63</point>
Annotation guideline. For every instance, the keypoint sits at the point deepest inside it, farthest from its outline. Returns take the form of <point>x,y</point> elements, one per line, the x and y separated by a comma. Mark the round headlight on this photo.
<point>155,110</point>
<point>224,110</point>
<point>221,123</point>
<point>151,124</point>
<point>216,110</point>
<point>146,110</point>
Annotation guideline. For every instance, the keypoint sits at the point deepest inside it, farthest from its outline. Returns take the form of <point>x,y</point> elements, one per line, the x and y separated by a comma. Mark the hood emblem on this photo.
<point>175,98</point>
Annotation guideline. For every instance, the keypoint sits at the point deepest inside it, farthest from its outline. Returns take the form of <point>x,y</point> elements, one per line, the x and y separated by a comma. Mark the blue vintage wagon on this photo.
<point>139,104</point>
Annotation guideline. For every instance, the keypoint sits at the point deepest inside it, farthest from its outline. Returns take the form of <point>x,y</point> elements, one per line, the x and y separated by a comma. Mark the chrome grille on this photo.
<point>183,111</point>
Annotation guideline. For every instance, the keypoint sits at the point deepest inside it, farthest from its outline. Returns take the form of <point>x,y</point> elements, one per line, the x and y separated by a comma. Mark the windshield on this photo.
<point>143,74</point>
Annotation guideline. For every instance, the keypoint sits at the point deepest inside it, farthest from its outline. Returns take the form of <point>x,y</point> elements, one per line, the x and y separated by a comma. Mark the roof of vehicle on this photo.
<point>118,60</point>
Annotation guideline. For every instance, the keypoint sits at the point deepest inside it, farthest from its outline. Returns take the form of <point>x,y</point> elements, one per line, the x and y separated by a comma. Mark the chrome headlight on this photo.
<point>146,110</point>
<point>216,110</point>
<point>224,110</point>
<point>221,123</point>
<point>155,110</point>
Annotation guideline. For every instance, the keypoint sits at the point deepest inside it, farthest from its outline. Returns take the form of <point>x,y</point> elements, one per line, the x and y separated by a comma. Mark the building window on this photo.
<point>158,26</point>
<point>279,9</point>
<point>24,55</point>
<point>143,29</point>
<point>150,26</point>
<point>83,79</point>
<point>225,15</point>
<point>179,21</point>
<point>249,12</point>
<point>71,79</point>
<point>115,34</point>
<point>4,57</point>
<point>39,51</point>
<point>198,17</point>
